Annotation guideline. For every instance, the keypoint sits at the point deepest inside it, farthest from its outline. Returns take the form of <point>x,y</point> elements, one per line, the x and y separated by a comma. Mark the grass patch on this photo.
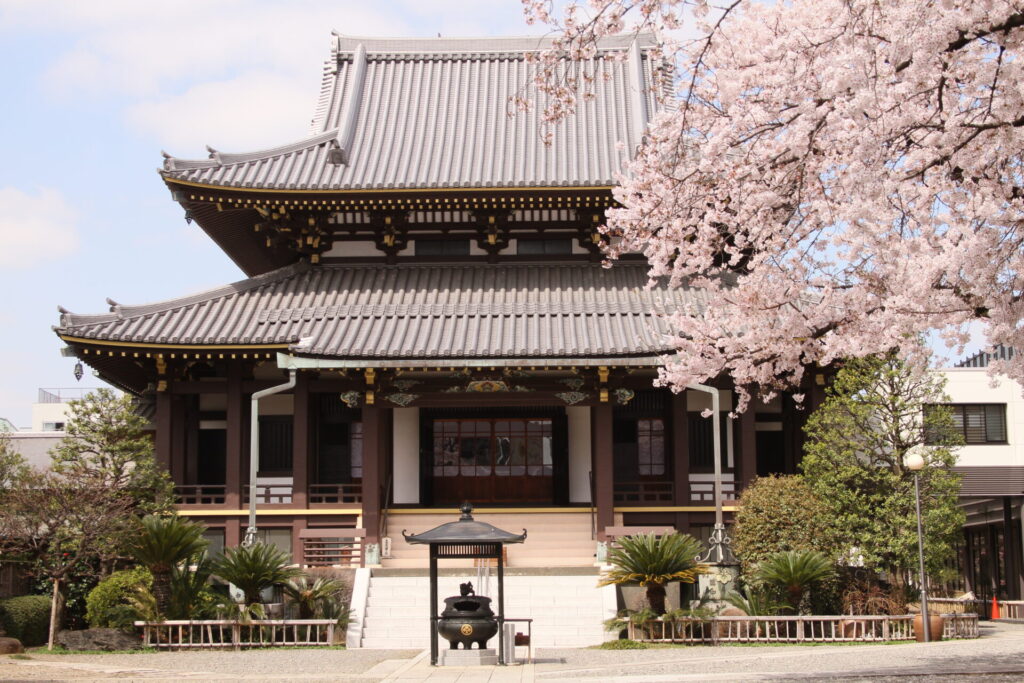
<point>18,656</point>
<point>624,644</point>
<point>640,645</point>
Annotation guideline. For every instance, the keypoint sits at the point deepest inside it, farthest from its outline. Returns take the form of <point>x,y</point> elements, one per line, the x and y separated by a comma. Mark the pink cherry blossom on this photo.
<point>840,175</point>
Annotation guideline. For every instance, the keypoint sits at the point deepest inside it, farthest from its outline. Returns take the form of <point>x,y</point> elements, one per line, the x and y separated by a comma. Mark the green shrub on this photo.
<point>624,644</point>
<point>27,618</point>
<point>109,604</point>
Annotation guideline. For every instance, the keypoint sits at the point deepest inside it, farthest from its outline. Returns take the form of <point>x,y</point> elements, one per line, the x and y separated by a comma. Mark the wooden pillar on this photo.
<point>234,455</point>
<point>179,432</point>
<point>1011,551</point>
<point>298,553</point>
<point>164,429</point>
<point>681,458</point>
<point>233,532</point>
<point>748,448</point>
<point>372,443</point>
<point>300,442</point>
<point>602,466</point>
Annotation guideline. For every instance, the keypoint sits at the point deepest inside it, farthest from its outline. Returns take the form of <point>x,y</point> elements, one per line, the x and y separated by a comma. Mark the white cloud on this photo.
<point>35,228</point>
<point>141,49</point>
<point>255,110</point>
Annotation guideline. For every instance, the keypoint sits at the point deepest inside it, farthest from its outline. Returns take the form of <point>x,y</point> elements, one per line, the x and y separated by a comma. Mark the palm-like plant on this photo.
<point>795,571</point>
<point>652,562</point>
<point>161,545</point>
<point>253,568</point>
<point>312,599</point>
<point>755,603</point>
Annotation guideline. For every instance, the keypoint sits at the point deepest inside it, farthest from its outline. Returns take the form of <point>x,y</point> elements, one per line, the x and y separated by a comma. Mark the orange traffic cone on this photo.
<point>995,608</point>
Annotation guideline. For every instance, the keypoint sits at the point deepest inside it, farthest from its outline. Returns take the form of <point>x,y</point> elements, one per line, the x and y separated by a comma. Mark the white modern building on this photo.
<point>991,414</point>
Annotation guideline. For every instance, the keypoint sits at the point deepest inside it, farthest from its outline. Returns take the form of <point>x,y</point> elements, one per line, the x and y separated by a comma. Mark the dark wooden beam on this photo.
<point>602,466</point>
<point>235,432</point>
<point>300,442</point>
<point>164,429</point>
<point>372,460</point>
<point>748,448</point>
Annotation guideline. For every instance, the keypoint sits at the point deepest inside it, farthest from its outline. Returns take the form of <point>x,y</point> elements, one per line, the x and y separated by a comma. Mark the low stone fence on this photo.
<point>795,629</point>
<point>235,634</point>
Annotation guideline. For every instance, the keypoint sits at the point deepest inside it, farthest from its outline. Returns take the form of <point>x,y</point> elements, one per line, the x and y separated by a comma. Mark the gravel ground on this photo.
<point>1000,651</point>
<point>997,657</point>
<point>276,664</point>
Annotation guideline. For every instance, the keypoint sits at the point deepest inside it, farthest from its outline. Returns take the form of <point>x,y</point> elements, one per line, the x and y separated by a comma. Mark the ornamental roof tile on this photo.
<point>417,312</point>
<point>438,113</point>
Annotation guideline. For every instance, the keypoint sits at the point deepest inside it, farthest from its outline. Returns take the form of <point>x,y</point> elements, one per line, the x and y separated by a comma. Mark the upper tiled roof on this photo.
<point>416,312</point>
<point>436,113</point>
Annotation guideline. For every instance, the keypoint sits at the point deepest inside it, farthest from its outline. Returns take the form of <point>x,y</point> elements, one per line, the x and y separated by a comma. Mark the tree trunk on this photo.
<point>162,592</point>
<point>56,613</point>
<point>656,597</point>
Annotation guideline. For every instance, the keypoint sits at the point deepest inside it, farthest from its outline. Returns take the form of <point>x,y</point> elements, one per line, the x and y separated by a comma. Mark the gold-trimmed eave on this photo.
<point>431,198</point>
<point>127,349</point>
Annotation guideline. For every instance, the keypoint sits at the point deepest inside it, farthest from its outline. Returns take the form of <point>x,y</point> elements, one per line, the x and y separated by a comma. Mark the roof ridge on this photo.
<point>217,158</point>
<point>343,43</point>
<point>122,312</point>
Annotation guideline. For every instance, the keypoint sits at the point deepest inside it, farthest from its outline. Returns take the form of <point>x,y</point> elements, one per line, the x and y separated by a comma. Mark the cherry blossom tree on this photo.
<point>840,175</point>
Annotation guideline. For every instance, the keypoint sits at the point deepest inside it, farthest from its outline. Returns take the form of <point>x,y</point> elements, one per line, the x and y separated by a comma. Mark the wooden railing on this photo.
<point>200,494</point>
<point>647,492</point>
<point>957,606</point>
<point>795,629</point>
<point>336,494</point>
<point>234,634</point>
<point>332,547</point>
<point>269,494</point>
<point>1011,609</point>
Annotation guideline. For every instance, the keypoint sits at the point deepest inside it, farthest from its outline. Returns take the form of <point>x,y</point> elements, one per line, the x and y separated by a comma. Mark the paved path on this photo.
<point>998,656</point>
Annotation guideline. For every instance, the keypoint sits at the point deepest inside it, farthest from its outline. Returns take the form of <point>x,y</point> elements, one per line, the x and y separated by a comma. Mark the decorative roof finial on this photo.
<point>467,512</point>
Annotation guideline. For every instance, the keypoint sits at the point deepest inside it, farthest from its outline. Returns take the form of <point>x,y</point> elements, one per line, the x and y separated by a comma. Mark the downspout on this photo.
<point>254,451</point>
<point>718,551</point>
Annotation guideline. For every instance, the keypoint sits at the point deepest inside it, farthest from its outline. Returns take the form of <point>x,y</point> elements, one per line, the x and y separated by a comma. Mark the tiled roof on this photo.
<point>415,312</point>
<point>436,113</point>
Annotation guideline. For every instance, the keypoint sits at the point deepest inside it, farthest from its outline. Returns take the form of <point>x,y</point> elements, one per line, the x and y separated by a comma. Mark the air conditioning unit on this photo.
<point>385,548</point>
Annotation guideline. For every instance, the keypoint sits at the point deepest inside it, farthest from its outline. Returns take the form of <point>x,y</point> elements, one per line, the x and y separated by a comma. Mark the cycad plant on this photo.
<point>652,562</point>
<point>254,568</point>
<point>313,599</point>
<point>162,544</point>
<point>795,572</point>
<point>755,603</point>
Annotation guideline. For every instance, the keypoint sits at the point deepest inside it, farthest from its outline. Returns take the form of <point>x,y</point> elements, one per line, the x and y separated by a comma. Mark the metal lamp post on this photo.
<point>914,462</point>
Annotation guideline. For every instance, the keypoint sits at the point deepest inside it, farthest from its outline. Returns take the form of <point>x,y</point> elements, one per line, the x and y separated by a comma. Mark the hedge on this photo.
<point>109,603</point>
<point>27,618</point>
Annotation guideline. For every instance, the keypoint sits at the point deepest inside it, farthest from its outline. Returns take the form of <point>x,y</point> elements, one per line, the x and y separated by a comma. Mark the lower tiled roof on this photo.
<point>415,312</point>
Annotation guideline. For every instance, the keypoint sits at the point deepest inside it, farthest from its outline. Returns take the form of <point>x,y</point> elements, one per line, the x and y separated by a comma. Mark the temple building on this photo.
<point>427,264</point>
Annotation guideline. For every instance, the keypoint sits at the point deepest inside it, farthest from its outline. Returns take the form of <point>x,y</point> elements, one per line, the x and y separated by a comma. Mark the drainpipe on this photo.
<point>718,551</point>
<point>254,451</point>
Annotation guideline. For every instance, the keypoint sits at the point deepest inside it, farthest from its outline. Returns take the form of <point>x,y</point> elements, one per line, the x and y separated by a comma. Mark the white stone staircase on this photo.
<point>566,605</point>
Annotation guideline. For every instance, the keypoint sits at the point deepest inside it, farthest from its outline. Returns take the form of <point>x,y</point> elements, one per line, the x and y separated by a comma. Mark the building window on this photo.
<point>482,448</point>
<point>53,426</point>
<point>639,448</point>
<point>980,423</point>
<point>526,247</point>
<point>442,247</point>
<point>702,445</point>
<point>276,444</point>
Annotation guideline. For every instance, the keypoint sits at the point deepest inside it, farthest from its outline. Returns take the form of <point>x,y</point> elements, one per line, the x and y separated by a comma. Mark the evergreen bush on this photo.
<point>27,618</point>
<point>110,603</point>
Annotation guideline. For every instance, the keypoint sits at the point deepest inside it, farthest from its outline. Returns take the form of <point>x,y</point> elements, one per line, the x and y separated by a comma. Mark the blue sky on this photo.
<point>92,91</point>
